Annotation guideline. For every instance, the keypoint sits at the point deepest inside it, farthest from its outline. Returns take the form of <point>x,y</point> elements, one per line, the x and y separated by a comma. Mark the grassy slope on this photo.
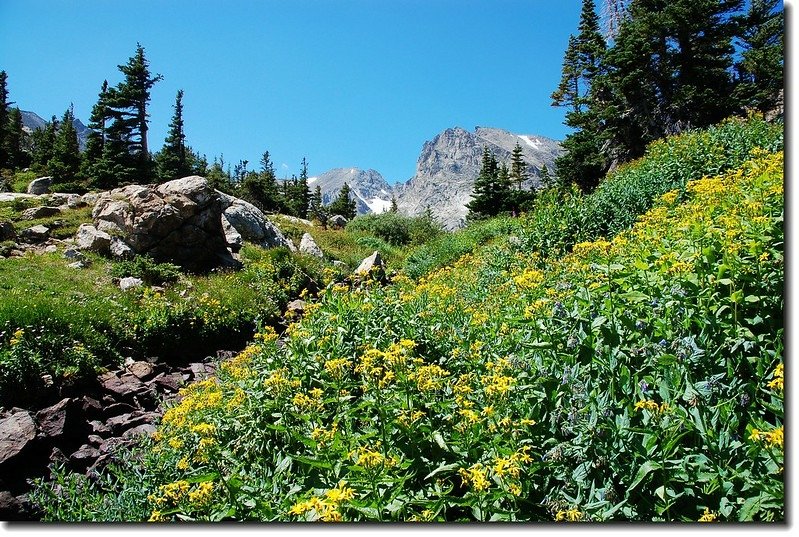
<point>632,379</point>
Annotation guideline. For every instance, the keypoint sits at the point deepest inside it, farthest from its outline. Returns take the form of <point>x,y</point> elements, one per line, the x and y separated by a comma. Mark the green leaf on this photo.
<point>749,509</point>
<point>442,468</point>
<point>634,296</point>
<point>643,471</point>
<point>439,440</point>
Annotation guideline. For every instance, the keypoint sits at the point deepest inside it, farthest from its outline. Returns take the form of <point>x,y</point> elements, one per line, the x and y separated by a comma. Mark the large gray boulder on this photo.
<point>251,223</point>
<point>40,185</point>
<point>179,221</point>
<point>308,246</point>
<point>90,238</point>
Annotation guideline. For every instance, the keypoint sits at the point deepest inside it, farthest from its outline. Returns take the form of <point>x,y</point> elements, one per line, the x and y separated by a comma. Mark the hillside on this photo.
<point>556,373</point>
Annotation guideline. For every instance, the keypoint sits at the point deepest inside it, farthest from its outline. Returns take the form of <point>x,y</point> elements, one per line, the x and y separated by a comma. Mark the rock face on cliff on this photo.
<point>450,162</point>
<point>372,194</point>
<point>179,221</point>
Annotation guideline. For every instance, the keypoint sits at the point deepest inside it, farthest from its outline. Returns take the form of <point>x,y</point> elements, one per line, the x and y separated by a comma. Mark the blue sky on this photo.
<point>343,83</point>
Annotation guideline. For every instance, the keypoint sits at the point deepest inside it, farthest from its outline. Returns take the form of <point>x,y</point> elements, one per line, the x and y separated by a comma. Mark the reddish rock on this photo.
<point>141,370</point>
<point>53,419</point>
<point>16,433</point>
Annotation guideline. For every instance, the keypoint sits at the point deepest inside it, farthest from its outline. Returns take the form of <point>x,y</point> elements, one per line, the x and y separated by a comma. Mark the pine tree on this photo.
<point>172,161</point>
<point>492,189</point>
<point>303,194</point>
<point>43,141</point>
<point>583,161</point>
<point>394,208</point>
<point>64,164</point>
<point>317,211</point>
<point>91,167</point>
<point>128,106</point>
<point>343,205</point>
<point>3,119</point>
<point>760,69</point>
<point>15,138</point>
<point>518,168</point>
<point>669,70</point>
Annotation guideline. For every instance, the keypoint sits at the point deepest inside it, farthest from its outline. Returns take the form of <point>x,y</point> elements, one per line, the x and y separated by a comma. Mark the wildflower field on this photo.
<point>630,373</point>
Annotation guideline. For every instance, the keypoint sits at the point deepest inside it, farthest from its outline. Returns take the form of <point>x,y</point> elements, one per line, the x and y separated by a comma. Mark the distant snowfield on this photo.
<point>376,205</point>
<point>535,144</point>
<point>312,179</point>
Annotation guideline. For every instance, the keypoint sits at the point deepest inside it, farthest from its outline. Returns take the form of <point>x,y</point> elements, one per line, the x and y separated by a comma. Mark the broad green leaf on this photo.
<point>643,471</point>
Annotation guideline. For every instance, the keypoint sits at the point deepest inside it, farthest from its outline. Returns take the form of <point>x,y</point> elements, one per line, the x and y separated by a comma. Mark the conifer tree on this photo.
<point>760,68</point>
<point>343,205</point>
<point>64,164</point>
<point>127,144</point>
<point>518,168</point>
<point>43,144</point>
<point>172,161</point>
<point>3,119</point>
<point>91,167</point>
<point>669,70</point>
<point>317,211</point>
<point>492,189</point>
<point>583,161</point>
<point>394,207</point>
<point>17,157</point>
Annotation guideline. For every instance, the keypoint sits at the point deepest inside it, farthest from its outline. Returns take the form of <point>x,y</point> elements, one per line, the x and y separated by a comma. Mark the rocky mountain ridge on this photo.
<point>449,164</point>
<point>371,192</point>
<point>445,173</point>
<point>31,121</point>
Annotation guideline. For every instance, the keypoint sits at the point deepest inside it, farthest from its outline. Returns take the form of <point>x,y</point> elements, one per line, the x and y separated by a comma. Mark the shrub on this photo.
<point>145,268</point>
<point>395,228</point>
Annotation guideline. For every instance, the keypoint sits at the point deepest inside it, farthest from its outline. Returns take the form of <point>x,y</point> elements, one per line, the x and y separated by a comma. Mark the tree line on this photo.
<point>118,151</point>
<point>671,66</point>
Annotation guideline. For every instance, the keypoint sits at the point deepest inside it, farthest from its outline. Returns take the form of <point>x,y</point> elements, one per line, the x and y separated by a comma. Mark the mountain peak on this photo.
<point>450,162</point>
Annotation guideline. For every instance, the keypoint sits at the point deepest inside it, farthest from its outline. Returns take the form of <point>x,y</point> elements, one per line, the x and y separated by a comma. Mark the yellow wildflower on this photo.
<point>569,515</point>
<point>475,477</point>
<point>708,516</point>
<point>201,496</point>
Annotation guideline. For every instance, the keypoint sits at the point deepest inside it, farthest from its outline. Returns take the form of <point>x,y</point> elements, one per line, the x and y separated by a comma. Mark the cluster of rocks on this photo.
<point>84,431</point>
<point>39,238</point>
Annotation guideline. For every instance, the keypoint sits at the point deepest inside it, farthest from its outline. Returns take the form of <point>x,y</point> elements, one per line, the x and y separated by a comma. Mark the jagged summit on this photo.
<point>450,162</point>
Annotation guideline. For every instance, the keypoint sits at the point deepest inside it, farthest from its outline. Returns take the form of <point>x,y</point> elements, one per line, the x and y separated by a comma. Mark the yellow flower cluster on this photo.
<point>529,279</point>
<point>773,438</point>
<point>17,337</point>
<point>569,515</point>
<point>279,384</point>
<point>428,378</point>
<point>337,367</point>
<point>778,382</point>
<point>324,437</point>
<point>652,406</point>
<point>201,395</point>
<point>325,509</point>
<point>498,386</point>
<point>310,401</point>
<point>475,477</point>
<point>708,516</point>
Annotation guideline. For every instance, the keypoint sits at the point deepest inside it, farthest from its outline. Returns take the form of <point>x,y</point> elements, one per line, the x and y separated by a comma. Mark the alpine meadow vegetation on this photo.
<point>564,373</point>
